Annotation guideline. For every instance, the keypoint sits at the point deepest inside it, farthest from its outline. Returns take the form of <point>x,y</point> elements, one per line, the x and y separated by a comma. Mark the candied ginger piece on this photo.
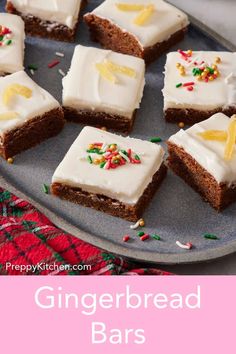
<point>15,89</point>
<point>106,73</point>
<point>230,143</point>
<point>144,15</point>
<point>218,135</point>
<point>120,69</point>
<point>8,115</point>
<point>129,7</point>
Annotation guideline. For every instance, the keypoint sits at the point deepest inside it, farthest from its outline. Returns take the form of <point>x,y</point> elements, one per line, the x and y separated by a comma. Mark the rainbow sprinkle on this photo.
<point>5,36</point>
<point>110,156</point>
<point>201,71</point>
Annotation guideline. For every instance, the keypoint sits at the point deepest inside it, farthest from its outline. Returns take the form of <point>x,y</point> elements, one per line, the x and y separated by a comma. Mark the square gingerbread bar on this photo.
<point>143,28</point>
<point>103,88</point>
<point>199,84</point>
<point>12,36</point>
<point>110,173</point>
<point>53,19</point>
<point>28,114</point>
<point>206,160</point>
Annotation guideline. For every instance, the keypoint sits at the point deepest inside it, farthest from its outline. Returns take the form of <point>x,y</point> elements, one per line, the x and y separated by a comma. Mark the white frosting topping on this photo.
<point>125,183</point>
<point>218,93</point>
<point>26,108</point>
<point>209,154</point>
<point>61,11</point>
<point>92,92</point>
<point>12,56</point>
<point>165,21</point>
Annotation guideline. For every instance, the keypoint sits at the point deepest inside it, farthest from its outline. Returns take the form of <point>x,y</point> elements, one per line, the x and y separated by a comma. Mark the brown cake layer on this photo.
<point>31,133</point>
<point>34,26</point>
<point>100,119</point>
<point>192,116</point>
<point>112,37</point>
<point>185,166</point>
<point>111,206</point>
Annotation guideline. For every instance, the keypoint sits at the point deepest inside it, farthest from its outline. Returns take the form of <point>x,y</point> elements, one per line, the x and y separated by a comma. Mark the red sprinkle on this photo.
<point>108,165</point>
<point>188,84</point>
<point>144,237</point>
<point>126,238</point>
<point>136,161</point>
<point>182,53</point>
<point>53,63</point>
<point>190,88</point>
<point>189,244</point>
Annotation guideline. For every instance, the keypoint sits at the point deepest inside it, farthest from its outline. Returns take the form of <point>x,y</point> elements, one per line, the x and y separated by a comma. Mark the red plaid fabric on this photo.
<point>31,245</point>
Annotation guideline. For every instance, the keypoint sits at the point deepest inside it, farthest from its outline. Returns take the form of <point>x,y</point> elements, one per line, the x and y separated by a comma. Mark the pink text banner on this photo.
<point>128,315</point>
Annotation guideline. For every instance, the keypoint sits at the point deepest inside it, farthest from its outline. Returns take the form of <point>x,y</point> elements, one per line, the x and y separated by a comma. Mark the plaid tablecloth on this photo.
<point>31,245</point>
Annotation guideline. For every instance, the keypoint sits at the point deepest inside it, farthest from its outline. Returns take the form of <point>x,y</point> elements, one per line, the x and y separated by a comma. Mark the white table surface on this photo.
<point>219,15</point>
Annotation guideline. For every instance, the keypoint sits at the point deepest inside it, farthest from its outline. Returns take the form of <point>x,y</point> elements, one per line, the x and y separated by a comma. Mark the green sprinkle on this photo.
<point>137,157</point>
<point>9,42</point>
<point>102,164</point>
<point>211,237</point>
<point>89,158</point>
<point>197,71</point>
<point>1,38</point>
<point>124,152</point>
<point>95,151</point>
<point>32,67</point>
<point>155,140</point>
<point>210,70</point>
<point>178,85</point>
<point>156,237</point>
<point>45,189</point>
<point>140,233</point>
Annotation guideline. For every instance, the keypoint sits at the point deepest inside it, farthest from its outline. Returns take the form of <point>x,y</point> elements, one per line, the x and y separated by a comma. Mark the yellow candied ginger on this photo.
<point>15,89</point>
<point>230,142</point>
<point>8,115</point>
<point>122,69</point>
<point>106,73</point>
<point>217,135</point>
<point>129,7</point>
<point>144,15</point>
<point>108,68</point>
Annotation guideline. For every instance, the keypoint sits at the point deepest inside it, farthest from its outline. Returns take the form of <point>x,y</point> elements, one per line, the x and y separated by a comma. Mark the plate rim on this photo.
<point>118,249</point>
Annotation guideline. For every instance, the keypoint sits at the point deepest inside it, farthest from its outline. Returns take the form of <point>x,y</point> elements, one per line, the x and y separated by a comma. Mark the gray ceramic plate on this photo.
<point>176,211</point>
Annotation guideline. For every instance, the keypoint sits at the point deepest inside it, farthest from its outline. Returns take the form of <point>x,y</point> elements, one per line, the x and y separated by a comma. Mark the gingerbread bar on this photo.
<point>110,173</point>
<point>28,114</point>
<point>198,85</point>
<point>204,156</point>
<point>55,19</point>
<point>12,36</point>
<point>109,89</point>
<point>143,28</point>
